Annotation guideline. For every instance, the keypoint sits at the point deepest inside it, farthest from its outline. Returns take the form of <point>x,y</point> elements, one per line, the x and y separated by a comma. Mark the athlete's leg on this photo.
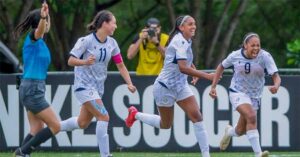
<point>35,124</point>
<point>82,121</point>
<point>238,130</point>
<point>190,107</point>
<point>247,111</point>
<point>97,109</point>
<point>49,117</point>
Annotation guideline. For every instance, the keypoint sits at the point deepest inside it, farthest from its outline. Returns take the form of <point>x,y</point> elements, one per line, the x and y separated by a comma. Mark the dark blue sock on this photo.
<point>27,138</point>
<point>36,140</point>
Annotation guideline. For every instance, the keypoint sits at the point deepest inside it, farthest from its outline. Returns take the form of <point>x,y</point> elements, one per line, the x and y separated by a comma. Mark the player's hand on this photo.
<point>131,88</point>
<point>273,89</point>
<point>195,80</point>
<point>211,76</point>
<point>90,60</point>
<point>213,93</point>
<point>44,10</point>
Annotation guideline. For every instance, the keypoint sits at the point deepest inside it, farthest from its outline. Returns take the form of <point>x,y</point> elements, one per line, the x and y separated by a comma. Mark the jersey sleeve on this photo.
<point>79,48</point>
<point>228,61</point>
<point>181,48</point>
<point>115,49</point>
<point>270,64</point>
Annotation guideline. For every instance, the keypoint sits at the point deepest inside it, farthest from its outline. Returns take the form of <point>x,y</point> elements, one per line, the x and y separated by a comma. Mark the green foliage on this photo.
<point>293,54</point>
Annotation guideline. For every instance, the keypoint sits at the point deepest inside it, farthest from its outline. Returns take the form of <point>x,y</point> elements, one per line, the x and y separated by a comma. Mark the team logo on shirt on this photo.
<point>165,100</point>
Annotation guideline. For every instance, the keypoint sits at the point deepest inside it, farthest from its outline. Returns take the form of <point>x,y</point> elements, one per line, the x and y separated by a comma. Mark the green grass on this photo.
<point>118,154</point>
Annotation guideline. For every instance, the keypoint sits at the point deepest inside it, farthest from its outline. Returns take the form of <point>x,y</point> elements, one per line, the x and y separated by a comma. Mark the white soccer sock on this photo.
<point>150,119</point>
<point>102,137</point>
<point>231,132</point>
<point>69,124</point>
<point>253,137</point>
<point>202,138</point>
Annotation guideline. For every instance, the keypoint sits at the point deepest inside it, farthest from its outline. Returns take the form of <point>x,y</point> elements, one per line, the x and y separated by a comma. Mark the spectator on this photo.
<point>150,43</point>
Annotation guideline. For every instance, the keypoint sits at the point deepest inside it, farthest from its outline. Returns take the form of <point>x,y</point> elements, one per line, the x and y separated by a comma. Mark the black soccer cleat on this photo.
<point>18,153</point>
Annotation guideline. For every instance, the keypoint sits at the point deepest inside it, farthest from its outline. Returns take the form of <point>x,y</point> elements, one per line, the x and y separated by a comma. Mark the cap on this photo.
<point>152,21</point>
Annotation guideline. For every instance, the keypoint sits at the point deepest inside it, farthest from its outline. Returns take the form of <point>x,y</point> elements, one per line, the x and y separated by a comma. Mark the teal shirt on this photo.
<point>36,59</point>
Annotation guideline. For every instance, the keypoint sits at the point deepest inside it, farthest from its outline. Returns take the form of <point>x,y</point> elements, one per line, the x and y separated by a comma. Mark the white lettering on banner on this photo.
<point>9,117</point>
<point>183,138</point>
<point>121,111</point>
<point>153,140</point>
<point>208,109</point>
<point>9,114</point>
<point>278,115</point>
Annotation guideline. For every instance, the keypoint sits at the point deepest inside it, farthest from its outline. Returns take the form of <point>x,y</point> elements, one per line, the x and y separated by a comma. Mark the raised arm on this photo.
<point>42,27</point>
<point>134,47</point>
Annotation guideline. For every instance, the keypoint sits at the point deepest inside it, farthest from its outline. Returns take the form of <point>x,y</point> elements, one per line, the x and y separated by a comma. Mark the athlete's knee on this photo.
<point>55,127</point>
<point>195,116</point>
<point>83,124</point>
<point>251,118</point>
<point>36,128</point>
<point>103,118</point>
<point>240,131</point>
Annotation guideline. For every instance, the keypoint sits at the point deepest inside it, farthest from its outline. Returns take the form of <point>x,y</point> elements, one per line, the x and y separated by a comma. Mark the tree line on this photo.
<point>221,25</point>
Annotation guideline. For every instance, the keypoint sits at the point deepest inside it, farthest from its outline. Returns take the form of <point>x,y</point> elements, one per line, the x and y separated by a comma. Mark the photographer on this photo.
<point>150,43</point>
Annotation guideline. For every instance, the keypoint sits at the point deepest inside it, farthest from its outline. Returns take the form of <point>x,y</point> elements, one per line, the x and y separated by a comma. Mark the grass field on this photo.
<point>94,154</point>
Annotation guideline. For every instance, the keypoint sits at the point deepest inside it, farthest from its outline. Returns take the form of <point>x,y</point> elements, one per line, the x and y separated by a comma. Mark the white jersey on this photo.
<point>92,77</point>
<point>249,74</point>
<point>178,49</point>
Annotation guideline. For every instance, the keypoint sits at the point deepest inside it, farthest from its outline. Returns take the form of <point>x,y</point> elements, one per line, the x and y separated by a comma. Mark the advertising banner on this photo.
<point>278,117</point>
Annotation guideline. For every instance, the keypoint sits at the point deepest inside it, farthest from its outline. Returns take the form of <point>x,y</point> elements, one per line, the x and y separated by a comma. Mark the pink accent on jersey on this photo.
<point>117,58</point>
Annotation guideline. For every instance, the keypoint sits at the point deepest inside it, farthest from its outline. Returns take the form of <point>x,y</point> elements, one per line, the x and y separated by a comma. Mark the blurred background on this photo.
<point>221,25</point>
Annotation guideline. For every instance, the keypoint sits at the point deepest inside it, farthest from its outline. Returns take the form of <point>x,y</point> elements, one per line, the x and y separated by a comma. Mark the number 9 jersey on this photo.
<point>249,74</point>
<point>92,77</point>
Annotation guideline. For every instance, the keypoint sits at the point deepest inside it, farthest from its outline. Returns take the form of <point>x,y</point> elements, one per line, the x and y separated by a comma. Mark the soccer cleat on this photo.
<point>131,116</point>
<point>18,153</point>
<point>110,155</point>
<point>226,139</point>
<point>264,154</point>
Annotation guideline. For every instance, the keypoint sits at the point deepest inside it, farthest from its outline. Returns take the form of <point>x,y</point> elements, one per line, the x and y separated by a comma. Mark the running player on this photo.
<point>249,63</point>
<point>90,56</point>
<point>171,85</point>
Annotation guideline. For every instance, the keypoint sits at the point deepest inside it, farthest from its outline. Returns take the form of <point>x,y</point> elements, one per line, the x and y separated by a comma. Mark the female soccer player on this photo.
<point>36,59</point>
<point>171,85</point>
<point>90,56</point>
<point>249,63</point>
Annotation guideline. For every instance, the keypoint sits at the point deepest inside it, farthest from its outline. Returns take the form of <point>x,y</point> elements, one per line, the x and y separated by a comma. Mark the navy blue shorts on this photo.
<point>32,95</point>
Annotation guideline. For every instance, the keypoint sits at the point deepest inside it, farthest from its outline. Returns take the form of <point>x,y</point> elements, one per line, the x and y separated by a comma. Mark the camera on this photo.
<point>151,32</point>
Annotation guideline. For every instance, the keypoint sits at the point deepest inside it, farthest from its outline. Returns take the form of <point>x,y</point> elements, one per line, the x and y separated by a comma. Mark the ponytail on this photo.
<point>32,20</point>
<point>179,21</point>
<point>102,16</point>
